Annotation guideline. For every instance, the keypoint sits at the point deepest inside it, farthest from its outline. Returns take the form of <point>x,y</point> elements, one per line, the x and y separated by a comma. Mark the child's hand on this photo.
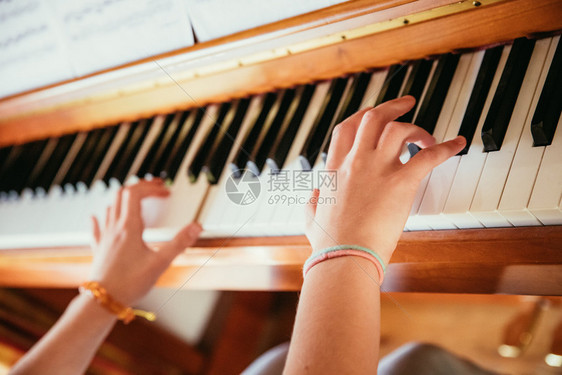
<point>375,191</point>
<point>123,264</point>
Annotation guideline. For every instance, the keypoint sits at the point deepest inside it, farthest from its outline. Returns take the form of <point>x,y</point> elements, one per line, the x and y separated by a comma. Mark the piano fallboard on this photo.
<point>506,261</point>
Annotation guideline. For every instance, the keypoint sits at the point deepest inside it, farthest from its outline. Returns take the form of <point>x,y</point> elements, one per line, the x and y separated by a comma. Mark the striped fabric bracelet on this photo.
<point>346,250</point>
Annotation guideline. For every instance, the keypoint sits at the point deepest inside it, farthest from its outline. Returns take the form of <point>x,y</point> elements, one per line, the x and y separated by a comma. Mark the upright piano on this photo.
<point>264,101</point>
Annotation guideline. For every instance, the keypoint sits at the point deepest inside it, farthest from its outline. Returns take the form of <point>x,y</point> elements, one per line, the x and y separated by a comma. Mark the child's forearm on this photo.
<point>72,342</point>
<point>337,328</point>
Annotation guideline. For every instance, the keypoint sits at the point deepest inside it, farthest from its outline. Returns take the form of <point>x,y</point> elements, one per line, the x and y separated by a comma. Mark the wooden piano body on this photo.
<point>501,260</point>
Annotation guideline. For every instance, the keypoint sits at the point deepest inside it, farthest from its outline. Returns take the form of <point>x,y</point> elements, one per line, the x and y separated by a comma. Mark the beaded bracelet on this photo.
<point>346,250</point>
<point>124,313</point>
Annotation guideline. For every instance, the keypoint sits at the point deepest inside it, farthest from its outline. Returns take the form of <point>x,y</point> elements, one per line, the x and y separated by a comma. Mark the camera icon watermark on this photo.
<point>243,190</point>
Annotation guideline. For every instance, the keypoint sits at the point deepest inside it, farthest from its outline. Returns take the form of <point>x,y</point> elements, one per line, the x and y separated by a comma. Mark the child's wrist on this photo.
<point>88,305</point>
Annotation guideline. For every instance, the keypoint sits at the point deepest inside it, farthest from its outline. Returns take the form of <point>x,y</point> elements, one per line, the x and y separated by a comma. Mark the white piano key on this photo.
<point>524,169</point>
<point>496,168</point>
<point>415,220</point>
<point>425,88</point>
<point>69,158</point>
<point>14,207</point>
<point>260,222</point>
<point>185,197</point>
<point>32,219</point>
<point>57,206</point>
<point>374,88</point>
<point>43,210</point>
<point>299,215</point>
<point>219,211</point>
<point>78,216</point>
<point>102,197</point>
<point>283,213</point>
<point>291,217</point>
<point>264,212</point>
<point>238,216</point>
<point>409,69</point>
<point>118,140</point>
<point>545,202</point>
<point>345,94</point>
<point>4,213</point>
<point>255,219</point>
<point>155,129</point>
<point>470,166</point>
<point>441,178</point>
<point>281,219</point>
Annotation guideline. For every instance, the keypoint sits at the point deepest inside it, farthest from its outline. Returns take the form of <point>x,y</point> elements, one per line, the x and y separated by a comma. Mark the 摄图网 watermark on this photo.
<point>287,187</point>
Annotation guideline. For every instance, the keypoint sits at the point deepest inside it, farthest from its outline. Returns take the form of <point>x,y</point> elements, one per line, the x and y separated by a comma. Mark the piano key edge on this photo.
<point>524,260</point>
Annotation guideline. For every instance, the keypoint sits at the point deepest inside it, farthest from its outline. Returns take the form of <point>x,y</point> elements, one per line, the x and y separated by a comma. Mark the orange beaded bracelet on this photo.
<point>124,313</point>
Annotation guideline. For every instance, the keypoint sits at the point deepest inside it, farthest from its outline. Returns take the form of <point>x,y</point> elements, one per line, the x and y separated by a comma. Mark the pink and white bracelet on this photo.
<point>346,250</point>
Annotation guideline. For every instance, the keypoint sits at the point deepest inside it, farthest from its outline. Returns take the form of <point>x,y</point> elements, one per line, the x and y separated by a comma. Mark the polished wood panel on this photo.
<point>503,260</point>
<point>496,23</point>
<point>138,348</point>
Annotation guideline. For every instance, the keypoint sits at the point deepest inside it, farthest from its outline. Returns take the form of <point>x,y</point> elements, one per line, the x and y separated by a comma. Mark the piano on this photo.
<point>489,220</point>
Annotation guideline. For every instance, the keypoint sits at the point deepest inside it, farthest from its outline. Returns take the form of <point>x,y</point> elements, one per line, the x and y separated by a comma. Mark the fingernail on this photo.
<point>459,140</point>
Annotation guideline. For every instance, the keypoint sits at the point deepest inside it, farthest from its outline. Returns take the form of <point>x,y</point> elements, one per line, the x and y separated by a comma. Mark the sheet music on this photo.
<point>101,34</point>
<point>48,41</point>
<point>32,53</point>
<point>212,19</point>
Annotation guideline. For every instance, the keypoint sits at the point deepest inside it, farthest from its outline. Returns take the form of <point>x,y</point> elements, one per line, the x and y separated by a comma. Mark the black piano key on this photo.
<point>83,157</point>
<point>350,105</point>
<point>194,168</point>
<point>433,100</point>
<point>25,163</point>
<point>224,141</point>
<point>125,156</point>
<point>479,94</point>
<point>244,153</point>
<point>392,84</point>
<point>415,84</point>
<point>23,166</point>
<point>353,100</point>
<point>150,161</point>
<point>6,169</point>
<point>153,159</point>
<point>413,149</point>
<point>4,152</point>
<point>10,166</point>
<point>270,132</point>
<point>4,162</point>
<point>33,178</point>
<point>172,134</point>
<point>282,144</point>
<point>313,144</point>
<point>501,108</point>
<point>13,173</point>
<point>98,153</point>
<point>549,107</point>
<point>49,172</point>
<point>182,143</point>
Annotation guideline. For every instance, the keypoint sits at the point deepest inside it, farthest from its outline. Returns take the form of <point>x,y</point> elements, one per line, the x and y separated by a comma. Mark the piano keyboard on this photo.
<point>505,100</point>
